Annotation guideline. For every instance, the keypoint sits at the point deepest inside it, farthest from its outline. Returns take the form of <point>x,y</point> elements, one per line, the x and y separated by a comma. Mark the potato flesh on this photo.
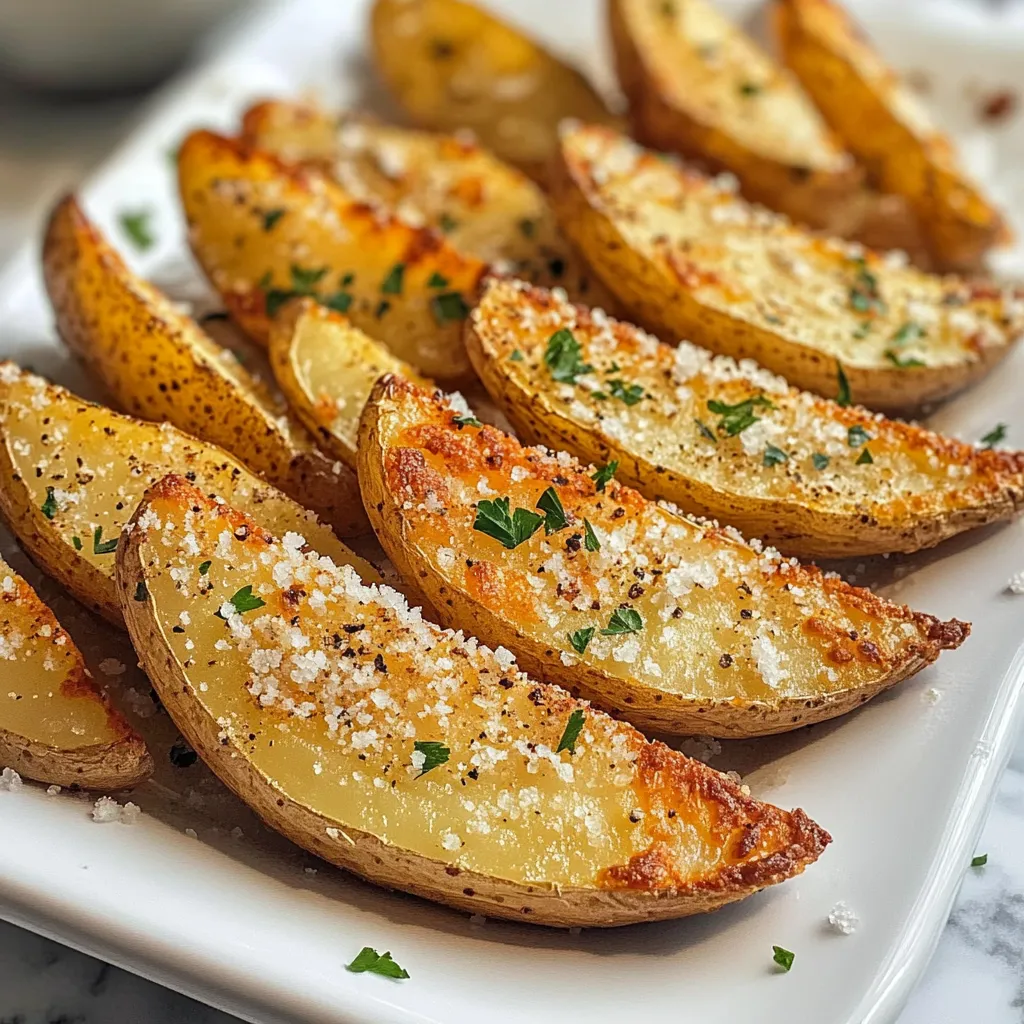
<point>99,464</point>
<point>756,267</point>
<point>913,472</point>
<point>45,696</point>
<point>315,661</point>
<point>721,620</point>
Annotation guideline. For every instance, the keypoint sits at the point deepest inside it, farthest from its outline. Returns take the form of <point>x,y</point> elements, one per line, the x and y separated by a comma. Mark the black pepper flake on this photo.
<point>379,664</point>
<point>618,513</point>
<point>574,542</point>
<point>505,683</point>
<point>725,660</point>
<point>745,613</point>
<point>636,591</point>
<point>354,627</point>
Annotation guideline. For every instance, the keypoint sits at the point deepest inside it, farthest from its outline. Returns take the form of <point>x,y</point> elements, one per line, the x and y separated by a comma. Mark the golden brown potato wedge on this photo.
<point>326,369</point>
<point>265,233</point>
<point>699,87</point>
<point>885,126</point>
<point>452,65</point>
<point>676,624</point>
<point>420,759</point>
<point>689,259</point>
<point>158,364</point>
<point>729,441</point>
<point>71,474</point>
<point>56,726</point>
<point>484,207</point>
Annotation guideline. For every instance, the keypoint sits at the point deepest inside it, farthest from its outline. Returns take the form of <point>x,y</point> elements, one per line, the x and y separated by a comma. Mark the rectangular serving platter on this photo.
<point>902,784</point>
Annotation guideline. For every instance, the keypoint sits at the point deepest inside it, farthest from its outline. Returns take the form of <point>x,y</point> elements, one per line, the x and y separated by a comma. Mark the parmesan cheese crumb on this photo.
<point>1016,583</point>
<point>107,809</point>
<point>10,780</point>
<point>842,919</point>
<point>52,790</point>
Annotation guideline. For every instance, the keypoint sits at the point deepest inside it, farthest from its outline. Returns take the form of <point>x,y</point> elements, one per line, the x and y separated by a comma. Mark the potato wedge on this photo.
<point>484,207</point>
<point>689,259</point>
<point>729,440</point>
<point>265,233</point>
<point>677,624</point>
<point>885,126</point>
<point>158,364</point>
<point>699,87</point>
<point>326,369</point>
<point>418,758</point>
<point>452,65</point>
<point>71,474</point>
<point>56,726</point>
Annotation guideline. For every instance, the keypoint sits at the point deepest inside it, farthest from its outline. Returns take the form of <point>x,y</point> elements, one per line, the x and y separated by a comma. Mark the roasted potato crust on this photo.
<point>689,259</point>
<point>265,232</point>
<point>702,632</point>
<point>795,475</point>
<point>885,126</point>
<point>324,744</point>
<point>56,726</point>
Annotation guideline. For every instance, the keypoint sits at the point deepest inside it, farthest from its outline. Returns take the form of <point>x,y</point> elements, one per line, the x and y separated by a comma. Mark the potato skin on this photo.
<point>883,125</point>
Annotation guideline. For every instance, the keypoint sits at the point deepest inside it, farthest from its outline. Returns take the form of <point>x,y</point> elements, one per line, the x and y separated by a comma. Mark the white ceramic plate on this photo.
<point>902,784</point>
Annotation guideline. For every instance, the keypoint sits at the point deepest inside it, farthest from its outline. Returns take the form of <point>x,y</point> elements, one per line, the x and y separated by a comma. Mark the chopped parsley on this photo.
<point>204,567</point>
<point>749,88</point>
<point>581,638</point>
<point>382,307</point>
<point>843,397</point>
<point>496,519</point>
<point>466,421</point>
<point>865,457</point>
<point>603,474</point>
<point>907,332</point>
<point>392,284</point>
<point>996,435</point>
<point>902,362</point>
<point>447,223</point>
<point>244,600</point>
<point>863,329</point>
<point>136,226</point>
<point>979,861</point>
<point>623,620</point>
<point>554,514</point>
<point>516,356</point>
<point>304,282</point>
<point>819,461</point>
<point>774,456</point>
<point>182,755</point>
<point>141,591</point>
<point>372,962</point>
<point>562,357</point>
<point>270,218</point>
<point>571,733</point>
<point>437,280</point>
<point>705,431</point>
<point>736,418</point>
<point>527,227</point>
<point>857,436</point>
<point>449,306</point>
<point>77,542</point>
<point>340,301</point>
<point>102,547</point>
<point>864,295</point>
<point>434,755</point>
<point>628,393</point>
<point>783,957</point>
<point>49,507</point>
<point>590,541</point>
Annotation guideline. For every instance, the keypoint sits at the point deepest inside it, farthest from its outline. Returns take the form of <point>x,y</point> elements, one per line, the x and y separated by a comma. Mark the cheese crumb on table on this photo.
<point>10,780</point>
<point>1015,585</point>
<point>842,918</point>
<point>107,809</point>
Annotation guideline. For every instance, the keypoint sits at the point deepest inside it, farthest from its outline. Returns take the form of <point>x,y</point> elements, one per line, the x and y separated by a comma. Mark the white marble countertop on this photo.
<point>978,971</point>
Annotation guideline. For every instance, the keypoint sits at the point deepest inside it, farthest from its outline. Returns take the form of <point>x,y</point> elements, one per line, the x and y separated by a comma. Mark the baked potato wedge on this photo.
<point>730,441</point>
<point>698,86</point>
<point>157,363</point>
<point>71,474</point>
<point>674,623</point>
<point>450,65</point>
<point>56,726</point>
<point>326,369</point>
<point>416,757</point>
<point>689,259</point>
<point>884,126</point>
<point>485,208</point>
<point>265,232</point>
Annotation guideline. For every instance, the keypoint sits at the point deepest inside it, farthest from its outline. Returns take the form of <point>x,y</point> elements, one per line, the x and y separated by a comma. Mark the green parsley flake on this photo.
<point>865,457</point>
<point>466,421</point>
<point>706,431</point>
<point>857,436</point>
<point>270,218</point>
<point>204,567</point>
<point>819,461</point>
<point>864,294</point>
<point>382,307</point>
<point>571,733</point>
<point>907,332</point>
<point>773,456</point>
<point>495,519</point>
<point>581,638</point>
<point>863,329</point>
<point>527,227</point>
<point>783,957</point>
<point>843,397</point>
<point>102,547</point>
<point>244,600</point>
<point>736,418</point>
<point>447,223</point>
<point>135,224</point>
<point>340,301</point>
<point>304,282</point>
<point>437,280</point>
<point>392,284</point>
<point>516,356</point>
<point>995,436</point>
<point>372,962</point>
<point>449,306</point>
<point>628,393</point>
<point>750,88</point>
<point>554,514</point>
<point>141,591</point>
<point>77,542</point>
<point>590,541</point>
<point>979,861</point>
<point>49,507</point>
<point>562,357</point>
<point>603,474</point>
<point>902,362</point>
<point>623,620</point>
<point>434,755</point>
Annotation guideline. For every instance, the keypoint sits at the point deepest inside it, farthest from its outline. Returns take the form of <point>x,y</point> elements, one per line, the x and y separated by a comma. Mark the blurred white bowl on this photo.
<point>100,45</point>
